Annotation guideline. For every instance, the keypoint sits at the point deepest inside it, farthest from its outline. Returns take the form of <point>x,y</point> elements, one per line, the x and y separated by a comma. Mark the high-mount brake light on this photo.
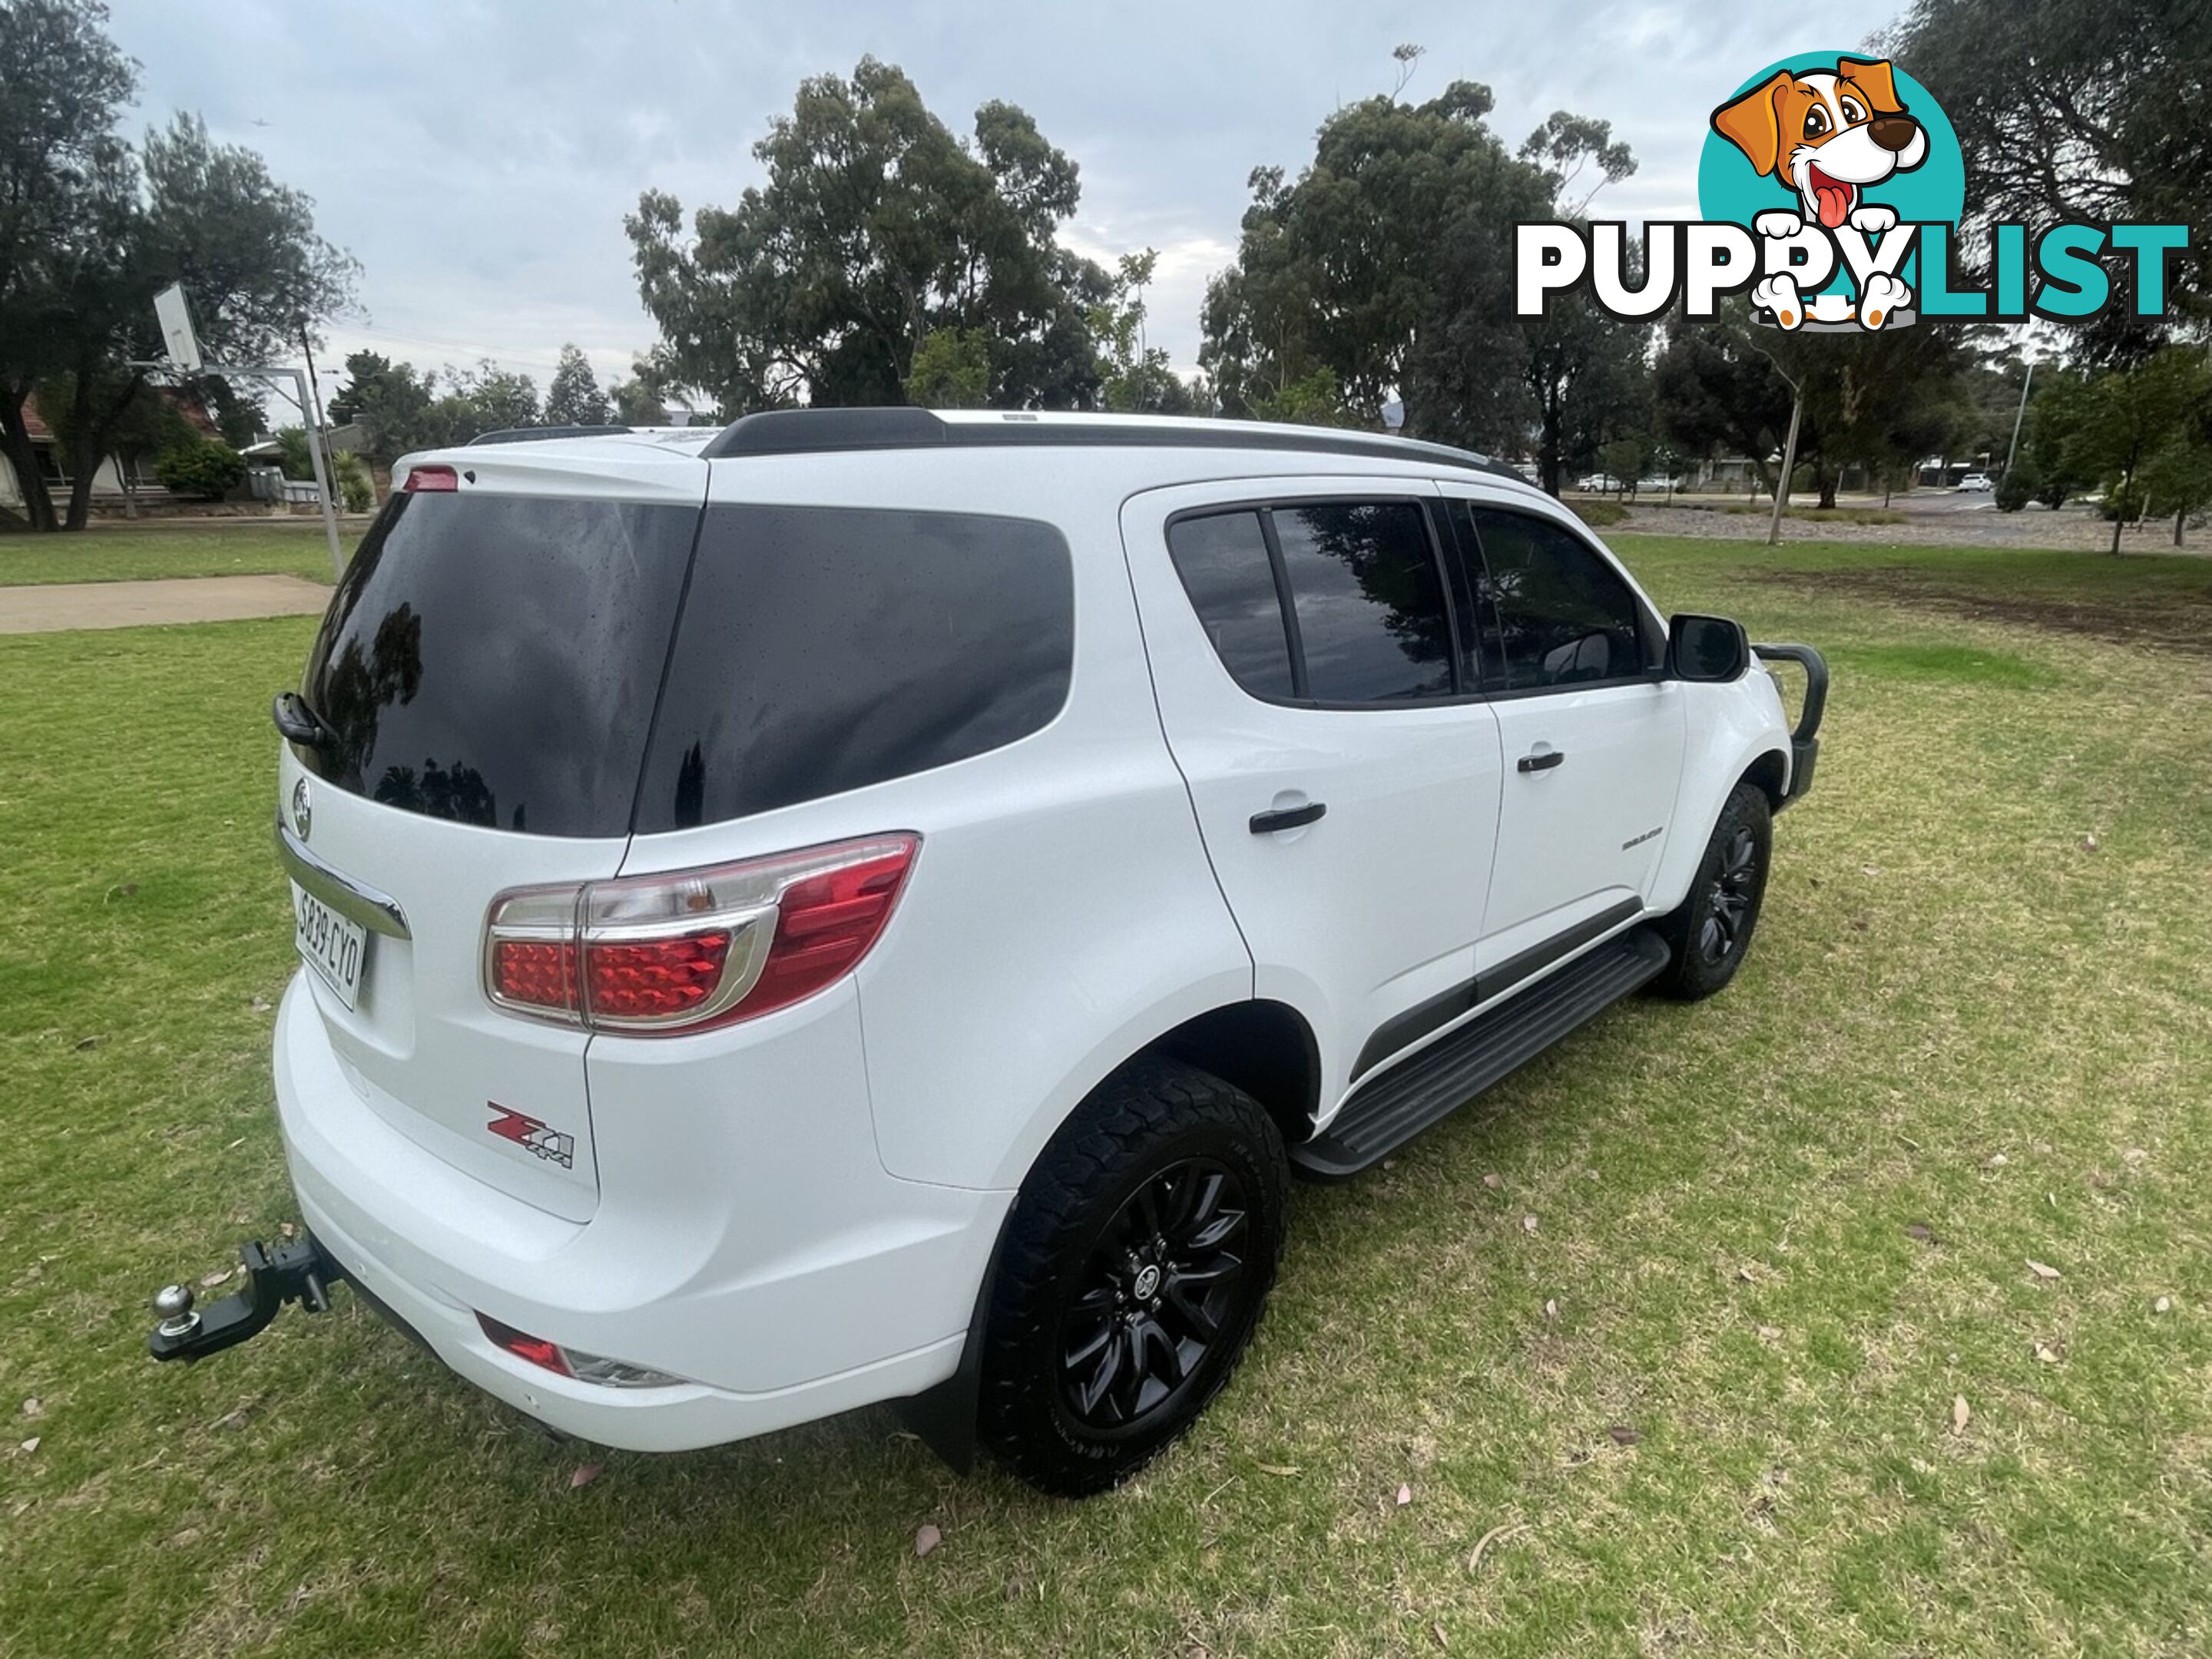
<point>694,949</point>
<point>422,479</point>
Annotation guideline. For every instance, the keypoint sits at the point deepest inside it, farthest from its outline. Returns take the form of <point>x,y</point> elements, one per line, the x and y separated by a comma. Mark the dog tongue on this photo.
<point>1835,202</point>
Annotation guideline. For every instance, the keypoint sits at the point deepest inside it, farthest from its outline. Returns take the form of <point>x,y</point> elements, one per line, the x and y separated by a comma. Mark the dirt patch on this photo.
<point>2172,616</point>
<point>1926,524</point>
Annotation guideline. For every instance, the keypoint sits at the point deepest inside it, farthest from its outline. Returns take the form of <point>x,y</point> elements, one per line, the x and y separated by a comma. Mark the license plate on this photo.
<point>337,950</point>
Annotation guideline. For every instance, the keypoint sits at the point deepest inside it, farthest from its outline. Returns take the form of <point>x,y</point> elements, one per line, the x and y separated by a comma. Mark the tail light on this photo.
<point>574,1362</point>
<point>431,478</point>
<point>694,948</point>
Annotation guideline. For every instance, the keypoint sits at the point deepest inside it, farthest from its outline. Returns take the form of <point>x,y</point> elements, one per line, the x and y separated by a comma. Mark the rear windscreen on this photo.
<point>825,648</point>
<point>494,659</point>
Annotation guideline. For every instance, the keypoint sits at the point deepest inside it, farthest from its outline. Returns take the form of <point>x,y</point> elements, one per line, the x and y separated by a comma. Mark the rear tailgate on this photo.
<point>487,675</point>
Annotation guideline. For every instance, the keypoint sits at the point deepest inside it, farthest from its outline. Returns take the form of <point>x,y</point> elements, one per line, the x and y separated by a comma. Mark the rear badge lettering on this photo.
<point>540,1139</point>
<point>1638,841</point>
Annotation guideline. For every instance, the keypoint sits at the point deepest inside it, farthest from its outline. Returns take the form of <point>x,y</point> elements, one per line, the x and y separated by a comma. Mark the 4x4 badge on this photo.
<point>533,1136</point>
<point>302,813</point>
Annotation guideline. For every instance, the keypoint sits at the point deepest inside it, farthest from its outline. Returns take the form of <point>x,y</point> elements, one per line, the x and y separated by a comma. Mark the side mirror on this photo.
<point>1706,648</point>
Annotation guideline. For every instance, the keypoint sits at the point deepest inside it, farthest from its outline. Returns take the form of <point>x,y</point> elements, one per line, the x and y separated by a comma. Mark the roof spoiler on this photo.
<point>531,435</point>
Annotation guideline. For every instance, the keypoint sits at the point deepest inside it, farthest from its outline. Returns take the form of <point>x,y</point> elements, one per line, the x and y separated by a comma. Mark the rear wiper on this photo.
<point>300,723</point>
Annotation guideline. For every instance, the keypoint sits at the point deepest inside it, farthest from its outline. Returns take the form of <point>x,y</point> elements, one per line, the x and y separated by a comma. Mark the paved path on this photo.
<point>49,608</point>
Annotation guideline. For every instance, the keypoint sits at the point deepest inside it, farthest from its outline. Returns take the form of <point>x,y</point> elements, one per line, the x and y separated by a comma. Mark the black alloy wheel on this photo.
<point>1729,896</point>
<point>1166,1279</point>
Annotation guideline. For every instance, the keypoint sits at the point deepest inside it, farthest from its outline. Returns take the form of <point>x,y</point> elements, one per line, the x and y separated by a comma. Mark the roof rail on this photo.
<point>819,431</point>
<point>531,435</point>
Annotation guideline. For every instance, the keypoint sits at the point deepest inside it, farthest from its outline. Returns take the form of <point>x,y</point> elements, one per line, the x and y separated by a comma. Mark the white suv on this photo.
<point>875,905</point>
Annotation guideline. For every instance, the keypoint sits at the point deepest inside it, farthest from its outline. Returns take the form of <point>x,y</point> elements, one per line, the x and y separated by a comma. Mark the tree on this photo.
<point>65,181</point>
<point>488,398</point>
<point>1878,400</point>
<point>93,229</point>
<point>573,398</point>
<point>1137,379</point>
<point>2140,430</point>
<point>1386,269</point>
<point>2067,111</point>
<point>1715,394</point>
<point>1339,270</point>
<point>951,369</point>
<point>1587,382</point>
<point>637,402</point>
<point>876,229</point>
<point>389,401</point>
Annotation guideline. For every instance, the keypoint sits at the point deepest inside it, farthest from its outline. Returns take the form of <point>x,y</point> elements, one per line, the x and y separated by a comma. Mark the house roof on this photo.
<point>187,404</point>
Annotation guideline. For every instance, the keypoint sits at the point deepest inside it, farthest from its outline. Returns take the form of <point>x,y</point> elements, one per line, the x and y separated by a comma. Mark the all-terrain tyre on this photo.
<point>1710,931</point>
<point>1134,1268</point>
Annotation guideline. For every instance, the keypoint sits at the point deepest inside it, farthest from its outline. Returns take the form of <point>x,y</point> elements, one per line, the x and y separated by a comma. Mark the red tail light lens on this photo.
<point>432,479</point>
<point>542,974</point>
<point>694,948</point>
<point>535,1349</point>
<point>655,979</point>
<point>824,925</point>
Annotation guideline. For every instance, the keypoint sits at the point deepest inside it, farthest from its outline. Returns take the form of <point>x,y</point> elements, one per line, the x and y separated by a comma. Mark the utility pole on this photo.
<point>2020,414</point>
<point>1789,459</point>
<point>318,425</point>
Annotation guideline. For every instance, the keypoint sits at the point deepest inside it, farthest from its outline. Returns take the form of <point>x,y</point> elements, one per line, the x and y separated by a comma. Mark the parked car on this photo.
<point>873,905</point>
<point>1975,481</point>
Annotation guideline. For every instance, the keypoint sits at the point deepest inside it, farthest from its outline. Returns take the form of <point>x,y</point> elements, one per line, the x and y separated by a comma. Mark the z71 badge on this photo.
<point>533,1136</point>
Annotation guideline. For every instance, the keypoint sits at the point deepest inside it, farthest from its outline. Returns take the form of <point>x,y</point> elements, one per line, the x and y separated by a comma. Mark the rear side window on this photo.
<point>1564,615</point>
<point>494,659</point>
<point>1223,561</point>
<point>822,649</point>
<point>1365,620</point>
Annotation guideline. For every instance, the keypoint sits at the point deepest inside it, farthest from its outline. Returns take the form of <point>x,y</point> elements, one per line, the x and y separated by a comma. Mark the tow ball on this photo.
<point>301,1271</point>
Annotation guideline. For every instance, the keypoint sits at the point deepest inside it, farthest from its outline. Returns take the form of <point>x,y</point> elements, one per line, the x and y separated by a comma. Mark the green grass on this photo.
<point>115,553</point>
<point>1960,1018</point>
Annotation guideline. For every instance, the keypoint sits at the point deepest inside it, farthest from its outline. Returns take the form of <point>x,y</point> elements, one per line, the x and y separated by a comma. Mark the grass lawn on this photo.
<point>118,553</point>
<point>1705,1402</point>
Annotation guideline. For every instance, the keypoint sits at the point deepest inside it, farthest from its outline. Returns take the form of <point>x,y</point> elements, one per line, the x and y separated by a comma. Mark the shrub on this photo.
<point>2124,503</point>
<point>1598,514</point>
<point>292,457</point>
<point>356,489</point>
<point>206,469</point>
<point>2015,489</point>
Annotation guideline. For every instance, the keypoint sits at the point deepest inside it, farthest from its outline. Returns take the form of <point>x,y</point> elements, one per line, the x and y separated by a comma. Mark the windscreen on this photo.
<point>494,659</point>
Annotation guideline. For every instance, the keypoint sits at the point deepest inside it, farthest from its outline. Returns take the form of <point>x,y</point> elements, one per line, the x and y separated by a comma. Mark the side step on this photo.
<point>1384,1114</point>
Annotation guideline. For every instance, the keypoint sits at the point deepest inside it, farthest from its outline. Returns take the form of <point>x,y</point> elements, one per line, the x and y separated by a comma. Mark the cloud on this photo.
<point>478,158</point>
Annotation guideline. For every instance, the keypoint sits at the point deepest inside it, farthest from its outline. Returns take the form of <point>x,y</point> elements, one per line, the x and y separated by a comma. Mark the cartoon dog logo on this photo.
<point>1828,137</point>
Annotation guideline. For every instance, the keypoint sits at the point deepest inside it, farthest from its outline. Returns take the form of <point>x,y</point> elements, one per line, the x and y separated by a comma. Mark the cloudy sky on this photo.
<point>477,158</point>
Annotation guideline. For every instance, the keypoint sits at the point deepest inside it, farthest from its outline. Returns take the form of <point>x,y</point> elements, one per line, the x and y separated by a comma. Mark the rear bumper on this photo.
<point>782,1289</point>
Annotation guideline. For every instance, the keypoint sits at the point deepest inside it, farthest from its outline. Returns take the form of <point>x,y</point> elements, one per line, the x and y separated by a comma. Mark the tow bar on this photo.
<point>301,1271</point>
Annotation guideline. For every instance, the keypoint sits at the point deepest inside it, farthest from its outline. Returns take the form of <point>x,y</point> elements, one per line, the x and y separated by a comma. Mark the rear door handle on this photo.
<point>1287,817</point>
<point>1544,761</point>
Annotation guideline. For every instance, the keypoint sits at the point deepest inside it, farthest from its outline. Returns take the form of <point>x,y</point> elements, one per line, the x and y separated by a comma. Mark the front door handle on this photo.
<point>1287,817</point>
<point>1544,762</point>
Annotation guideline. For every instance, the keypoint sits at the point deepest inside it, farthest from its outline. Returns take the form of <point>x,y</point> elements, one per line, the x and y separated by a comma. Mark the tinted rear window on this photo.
<point>825,648</point>
<point>494,659</point>
<point>1223,561</point>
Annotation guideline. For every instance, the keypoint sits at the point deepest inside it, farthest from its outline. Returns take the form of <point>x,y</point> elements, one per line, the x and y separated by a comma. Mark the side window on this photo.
<point>1223,561</point>
<point>1564,615</point>
<point>821,649</point>
<point>1368,602</point>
